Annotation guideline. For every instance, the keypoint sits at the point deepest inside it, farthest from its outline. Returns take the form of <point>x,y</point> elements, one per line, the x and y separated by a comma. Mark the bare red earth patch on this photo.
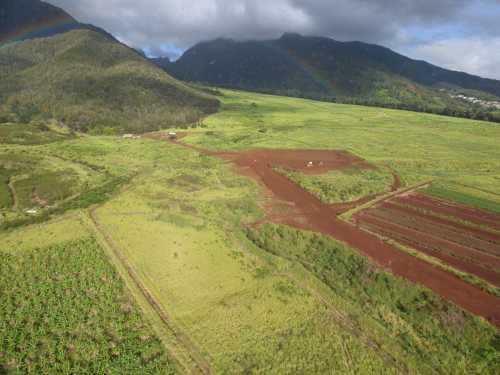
<point>456,210</point>
<point>310,213</point>
<point>430,226</point>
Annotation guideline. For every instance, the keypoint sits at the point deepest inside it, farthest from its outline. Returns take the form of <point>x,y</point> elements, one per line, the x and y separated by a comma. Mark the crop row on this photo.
<point>65,310</point>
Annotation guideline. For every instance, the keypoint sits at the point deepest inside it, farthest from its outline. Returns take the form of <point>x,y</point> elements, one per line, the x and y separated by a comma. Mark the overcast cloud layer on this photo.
<point>457,34</point>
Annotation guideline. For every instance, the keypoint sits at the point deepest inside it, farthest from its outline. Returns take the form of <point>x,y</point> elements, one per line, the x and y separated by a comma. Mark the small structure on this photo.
<point>131,136</point>
<point>32,211</point>
<point>172,135</point>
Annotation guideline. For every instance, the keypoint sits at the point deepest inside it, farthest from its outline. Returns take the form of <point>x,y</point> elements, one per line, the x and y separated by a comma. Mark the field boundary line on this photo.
<point>409,189</point>
<point>436,262</point>
<point>435,236</point>
<point>200,363</point>
<point>13,194</point>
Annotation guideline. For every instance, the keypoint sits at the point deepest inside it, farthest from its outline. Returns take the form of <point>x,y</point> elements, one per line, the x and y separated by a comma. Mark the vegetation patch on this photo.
<point>342,185</point>
<point>466,195</point>
<point>65,310</point>
<point>92,83</point>
<point>29,134</point>
<point>417,318</point>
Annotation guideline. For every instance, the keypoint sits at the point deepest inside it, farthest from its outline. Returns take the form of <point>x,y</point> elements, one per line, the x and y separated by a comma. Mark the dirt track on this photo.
<point>203,366</point>
<point>317,216</point>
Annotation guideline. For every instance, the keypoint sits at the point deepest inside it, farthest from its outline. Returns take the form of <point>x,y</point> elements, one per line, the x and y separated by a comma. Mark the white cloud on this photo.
<point>185,22</point>
<point>480,56</point>
<point>400,24</point>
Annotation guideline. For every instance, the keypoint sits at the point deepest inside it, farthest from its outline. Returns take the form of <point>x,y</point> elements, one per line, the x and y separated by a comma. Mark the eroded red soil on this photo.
<point>434,232</point>
<point>308,212</point>
<point>322,218</point>
<point>446,208</point>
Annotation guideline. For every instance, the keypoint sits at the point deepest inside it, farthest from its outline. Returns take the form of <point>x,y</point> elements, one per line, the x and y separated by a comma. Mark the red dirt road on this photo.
<point>322,218</point>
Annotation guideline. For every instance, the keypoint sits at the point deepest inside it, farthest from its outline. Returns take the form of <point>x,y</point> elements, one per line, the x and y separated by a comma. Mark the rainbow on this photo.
<point>306,68</point>
<point>41,28</point>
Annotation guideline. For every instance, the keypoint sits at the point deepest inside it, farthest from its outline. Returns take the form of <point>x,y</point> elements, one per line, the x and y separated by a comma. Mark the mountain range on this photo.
<point>322,68</point>
<point>51,63</point>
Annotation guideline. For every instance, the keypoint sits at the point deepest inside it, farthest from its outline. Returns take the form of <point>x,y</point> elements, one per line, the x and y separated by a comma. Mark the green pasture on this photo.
<point>417,146</point>
<point>180,226</point>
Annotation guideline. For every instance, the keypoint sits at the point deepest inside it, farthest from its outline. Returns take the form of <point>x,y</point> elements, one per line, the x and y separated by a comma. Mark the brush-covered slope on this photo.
<point>323,68</point>
<point>26,19</point>
<point>89,81</point>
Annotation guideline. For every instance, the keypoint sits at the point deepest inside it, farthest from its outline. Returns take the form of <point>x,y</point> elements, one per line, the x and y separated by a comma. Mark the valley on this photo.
<point>238,253</point>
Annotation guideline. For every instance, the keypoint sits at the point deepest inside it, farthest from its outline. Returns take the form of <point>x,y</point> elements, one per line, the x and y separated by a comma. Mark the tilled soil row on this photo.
<point>408,238</point>
<point>436,242</point>
<point>465,213</point>
<point>419,224</point>
<point>476,232</point>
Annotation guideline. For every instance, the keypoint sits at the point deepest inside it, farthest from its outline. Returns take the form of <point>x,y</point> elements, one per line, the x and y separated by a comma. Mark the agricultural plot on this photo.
<point>180,229</point>
<point>28,179</point>
<point>341,186</point>
<point>65,310</point>
<point>467,195</point>
<point>389,307</point>
<point>236,297</point>
<point>463,237</point>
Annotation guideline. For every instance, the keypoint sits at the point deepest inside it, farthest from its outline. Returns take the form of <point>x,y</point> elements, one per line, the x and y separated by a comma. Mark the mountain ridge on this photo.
<point>27,19</point>
<point>326,69</point>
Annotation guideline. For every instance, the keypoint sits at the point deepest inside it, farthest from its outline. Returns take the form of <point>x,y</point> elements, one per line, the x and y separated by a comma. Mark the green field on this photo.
<point>65,310</point>
<point>417,146</point>
<point>466,194</point>
<point>268,300</point>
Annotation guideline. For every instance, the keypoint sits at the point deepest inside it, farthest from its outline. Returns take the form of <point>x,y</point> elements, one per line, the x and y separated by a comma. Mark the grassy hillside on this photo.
<point>92,83</point>
<point>322,68</point>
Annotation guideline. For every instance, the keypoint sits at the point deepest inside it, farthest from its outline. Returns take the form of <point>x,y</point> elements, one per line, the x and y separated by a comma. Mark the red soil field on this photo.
<point>457,263</point>
<point>322,218</point>
<point>312,214</point>
<point>441,232</point>
<point>465,247</point>
<point>465,213</point>
<point>472,231</point>
<point>455,255</point>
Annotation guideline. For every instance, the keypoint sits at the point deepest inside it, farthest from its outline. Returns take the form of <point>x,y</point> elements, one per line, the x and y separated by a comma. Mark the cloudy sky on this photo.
<point>457,34</point>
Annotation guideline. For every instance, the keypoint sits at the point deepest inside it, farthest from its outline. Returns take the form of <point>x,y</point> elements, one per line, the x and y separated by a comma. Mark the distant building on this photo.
<point>172,135</point>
